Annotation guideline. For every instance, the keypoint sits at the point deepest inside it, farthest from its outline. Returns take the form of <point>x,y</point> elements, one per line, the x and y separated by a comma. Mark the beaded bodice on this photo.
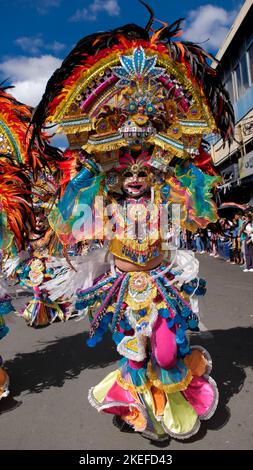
<point>136,237</point>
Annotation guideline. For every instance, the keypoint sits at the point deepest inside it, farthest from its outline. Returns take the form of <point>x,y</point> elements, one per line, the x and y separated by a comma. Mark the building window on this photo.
<point>238,81</point>
<point>241,76</point>
<point>250,56</point>
<point>244,73</point>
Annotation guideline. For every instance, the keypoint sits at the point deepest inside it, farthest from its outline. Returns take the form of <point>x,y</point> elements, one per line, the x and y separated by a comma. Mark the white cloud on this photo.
<point>42,6</point>
<point>111,7</point>
<point>209,22</point>
<point>55,46</point>
<point>29,75</point>
<point>35,44</point>
<point>31,44</point>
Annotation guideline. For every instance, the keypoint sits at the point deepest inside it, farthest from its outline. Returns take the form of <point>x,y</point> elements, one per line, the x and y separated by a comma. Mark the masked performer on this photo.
<point>34,271</point>
<point>138,104</point>
<point>40,163</point>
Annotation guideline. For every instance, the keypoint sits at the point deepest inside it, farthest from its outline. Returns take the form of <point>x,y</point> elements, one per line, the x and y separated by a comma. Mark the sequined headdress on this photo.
<point>136,87</point>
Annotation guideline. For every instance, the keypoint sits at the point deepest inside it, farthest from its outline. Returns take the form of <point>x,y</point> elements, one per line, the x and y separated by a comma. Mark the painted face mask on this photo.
<point>135,174</point>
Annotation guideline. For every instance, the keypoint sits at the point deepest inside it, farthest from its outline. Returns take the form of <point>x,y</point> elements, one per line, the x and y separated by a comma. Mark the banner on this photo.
<point>230,174</point>
<point>246,165</point>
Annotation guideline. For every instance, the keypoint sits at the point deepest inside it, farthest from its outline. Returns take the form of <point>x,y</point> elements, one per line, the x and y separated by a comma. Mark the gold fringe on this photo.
<point>167,146</point>
<point>131,387</point>
<point>154,381</point>
<point>106,147</point>
<point>198,131</point>
<point>169,388</point>
<point>73,128</point>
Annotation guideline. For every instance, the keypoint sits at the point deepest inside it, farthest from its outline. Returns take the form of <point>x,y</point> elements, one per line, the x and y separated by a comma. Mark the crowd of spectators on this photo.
<point>229,238</point>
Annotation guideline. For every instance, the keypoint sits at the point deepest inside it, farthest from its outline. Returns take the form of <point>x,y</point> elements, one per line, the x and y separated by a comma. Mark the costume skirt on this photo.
<point>162,386</point>
<point>41,311</point>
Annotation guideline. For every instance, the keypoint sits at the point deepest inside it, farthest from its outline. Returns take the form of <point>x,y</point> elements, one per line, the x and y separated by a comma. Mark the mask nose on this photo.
<point>140,119</point>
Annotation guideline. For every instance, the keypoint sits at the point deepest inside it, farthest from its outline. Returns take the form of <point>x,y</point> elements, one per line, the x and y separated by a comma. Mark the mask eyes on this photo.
<point>150,109</point>
<point>128,174</point>
<point>142,174</point>
<point>132,107</point>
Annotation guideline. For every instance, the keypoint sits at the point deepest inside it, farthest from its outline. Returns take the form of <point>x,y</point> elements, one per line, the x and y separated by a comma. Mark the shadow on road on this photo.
<point>231,354</point>
<point>9,404</point>
<point>60,360</point>
<point>64,359</point>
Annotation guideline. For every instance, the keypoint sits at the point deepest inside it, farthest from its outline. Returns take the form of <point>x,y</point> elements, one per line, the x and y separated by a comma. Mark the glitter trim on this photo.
<point>169,388</point>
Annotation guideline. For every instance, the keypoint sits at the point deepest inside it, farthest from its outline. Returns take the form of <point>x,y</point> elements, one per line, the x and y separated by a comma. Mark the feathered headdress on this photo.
<point>185,61</point>
<point>15,203</point>
<point>16,132</point>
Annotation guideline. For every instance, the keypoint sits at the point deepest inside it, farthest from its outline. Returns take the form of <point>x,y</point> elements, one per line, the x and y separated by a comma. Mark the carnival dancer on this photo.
<point>40,311</point>
<point>139,102</point>
<point>163,386</point>
<point>38,163</point>
<point>34,271</point>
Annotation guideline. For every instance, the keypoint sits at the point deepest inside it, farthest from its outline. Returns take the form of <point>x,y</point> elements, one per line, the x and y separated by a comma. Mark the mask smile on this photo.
<point>135,188</point>
<point>135,185</point>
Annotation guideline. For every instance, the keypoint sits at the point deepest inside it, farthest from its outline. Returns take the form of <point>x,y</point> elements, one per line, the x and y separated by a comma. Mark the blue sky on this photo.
<point>37,34</point>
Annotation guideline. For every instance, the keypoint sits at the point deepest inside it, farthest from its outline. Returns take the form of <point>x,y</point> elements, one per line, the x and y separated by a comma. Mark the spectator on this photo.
<point>213,237</point>
<point>235,239</point>
<point>226,238</point>
<point>249,244</point>
<point>200,241</point>
<point>242,234</point>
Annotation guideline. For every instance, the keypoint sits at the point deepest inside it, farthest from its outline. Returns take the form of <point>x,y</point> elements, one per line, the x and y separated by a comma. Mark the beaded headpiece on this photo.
<point>136,87</point>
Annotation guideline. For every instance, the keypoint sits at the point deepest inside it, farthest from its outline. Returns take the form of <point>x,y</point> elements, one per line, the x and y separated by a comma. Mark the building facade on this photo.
<point>235,163</point>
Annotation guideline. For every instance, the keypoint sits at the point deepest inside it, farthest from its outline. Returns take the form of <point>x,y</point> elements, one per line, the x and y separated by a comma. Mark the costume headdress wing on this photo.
<point>16,216</point>
<point>16,132</point>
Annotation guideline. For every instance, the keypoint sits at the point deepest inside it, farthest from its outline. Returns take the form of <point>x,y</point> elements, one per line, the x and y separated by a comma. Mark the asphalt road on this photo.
<point>51,370</point>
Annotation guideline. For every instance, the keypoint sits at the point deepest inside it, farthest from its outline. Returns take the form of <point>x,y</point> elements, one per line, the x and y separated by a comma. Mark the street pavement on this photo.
<point>51,370</point>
